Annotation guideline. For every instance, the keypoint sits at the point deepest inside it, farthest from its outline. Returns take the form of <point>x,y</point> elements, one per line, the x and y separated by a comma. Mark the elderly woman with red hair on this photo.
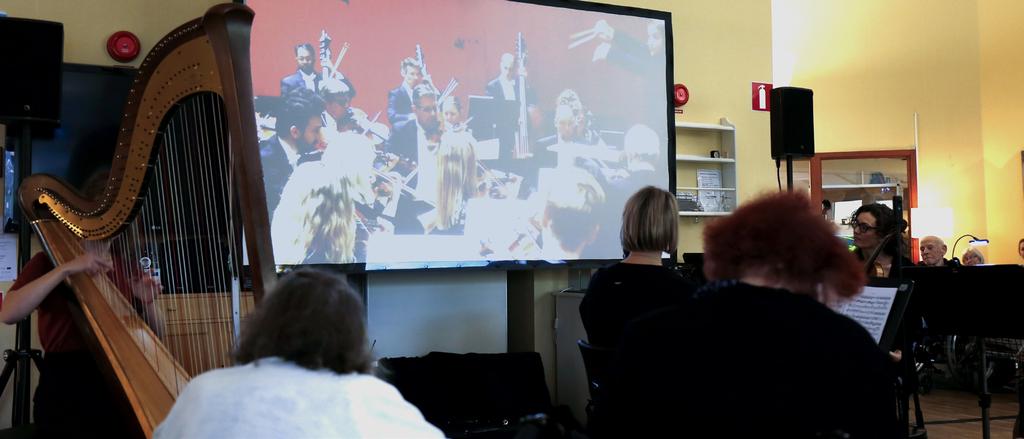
<point>758,353</point>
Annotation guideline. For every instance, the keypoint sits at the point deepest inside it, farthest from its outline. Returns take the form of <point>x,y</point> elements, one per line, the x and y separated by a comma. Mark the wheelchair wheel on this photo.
<point>964,359</point>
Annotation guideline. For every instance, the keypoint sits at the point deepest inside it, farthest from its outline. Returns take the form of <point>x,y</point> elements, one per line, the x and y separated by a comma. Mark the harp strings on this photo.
<point>185,238</point>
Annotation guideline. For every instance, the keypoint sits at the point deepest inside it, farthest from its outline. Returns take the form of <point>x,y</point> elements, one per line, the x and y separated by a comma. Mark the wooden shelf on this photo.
<point>703,126</point>
<point>697,158</point>
<point>684,213</point>
<point>705,188</point>
<point>857,186</point>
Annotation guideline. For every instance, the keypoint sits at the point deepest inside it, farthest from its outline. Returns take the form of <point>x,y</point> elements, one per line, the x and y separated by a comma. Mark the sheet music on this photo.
<point>8,257</point>
<point>870,309</point>
<point>710,201</point>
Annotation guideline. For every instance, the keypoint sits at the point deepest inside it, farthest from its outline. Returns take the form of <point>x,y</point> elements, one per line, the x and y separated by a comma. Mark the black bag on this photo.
<point>475,395</point>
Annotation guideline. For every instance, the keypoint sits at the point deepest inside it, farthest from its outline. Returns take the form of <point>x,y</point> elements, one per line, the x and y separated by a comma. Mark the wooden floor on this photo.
<point>941,406</point>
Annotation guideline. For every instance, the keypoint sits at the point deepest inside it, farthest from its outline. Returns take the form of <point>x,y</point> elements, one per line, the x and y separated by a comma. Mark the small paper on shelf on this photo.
<point>711,200</point>
<point>687,201</point>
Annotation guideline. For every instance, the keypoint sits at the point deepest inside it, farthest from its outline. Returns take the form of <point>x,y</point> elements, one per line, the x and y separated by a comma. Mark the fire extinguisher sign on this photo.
<point>760,96</point>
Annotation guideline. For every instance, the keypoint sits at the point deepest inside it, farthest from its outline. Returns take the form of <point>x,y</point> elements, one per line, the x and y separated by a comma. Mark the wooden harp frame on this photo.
<point>209,54</point>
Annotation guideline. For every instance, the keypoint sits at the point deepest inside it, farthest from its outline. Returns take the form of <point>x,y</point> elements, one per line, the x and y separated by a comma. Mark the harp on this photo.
<point>185,187</point>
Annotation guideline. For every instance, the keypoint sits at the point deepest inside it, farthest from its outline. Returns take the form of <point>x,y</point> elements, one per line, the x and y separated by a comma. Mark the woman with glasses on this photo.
<point>875,235</point>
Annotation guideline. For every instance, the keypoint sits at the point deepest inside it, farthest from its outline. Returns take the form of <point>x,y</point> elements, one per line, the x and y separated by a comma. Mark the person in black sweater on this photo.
<point>639,284</point>
<point>757,353</point>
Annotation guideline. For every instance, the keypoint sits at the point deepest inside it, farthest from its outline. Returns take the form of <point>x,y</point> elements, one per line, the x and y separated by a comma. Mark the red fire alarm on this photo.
<point>123,46</point>
<point>681,95</point>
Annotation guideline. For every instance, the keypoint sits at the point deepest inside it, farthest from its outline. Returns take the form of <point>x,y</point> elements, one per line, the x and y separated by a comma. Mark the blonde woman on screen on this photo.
<point>457,182</point>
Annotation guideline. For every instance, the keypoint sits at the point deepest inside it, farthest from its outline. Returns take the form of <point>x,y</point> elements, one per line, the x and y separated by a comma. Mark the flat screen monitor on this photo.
<point>458,133</point>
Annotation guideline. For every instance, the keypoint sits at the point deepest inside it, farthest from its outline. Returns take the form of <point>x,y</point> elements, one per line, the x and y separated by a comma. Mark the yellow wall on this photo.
<point>873,64</point>
<point>88,24</point>
<point>1002,123</point>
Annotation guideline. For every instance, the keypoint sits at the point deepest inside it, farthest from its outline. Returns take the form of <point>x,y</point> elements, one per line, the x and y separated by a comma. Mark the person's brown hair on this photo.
<point>782,237</point>
<point>312,318</point>
<point>650,221</point>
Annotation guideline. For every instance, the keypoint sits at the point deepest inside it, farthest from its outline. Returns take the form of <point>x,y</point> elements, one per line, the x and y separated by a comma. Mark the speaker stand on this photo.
<point>19,360</point>
<point>789,172</point>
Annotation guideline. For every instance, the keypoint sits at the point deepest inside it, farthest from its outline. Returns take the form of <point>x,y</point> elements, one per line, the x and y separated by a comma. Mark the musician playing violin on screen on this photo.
<point>413,147</point>
<point>341,116</point>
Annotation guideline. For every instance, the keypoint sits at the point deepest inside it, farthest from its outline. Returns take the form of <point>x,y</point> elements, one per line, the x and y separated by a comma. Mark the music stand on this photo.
<point>970,300</point>
<point>493,118</point>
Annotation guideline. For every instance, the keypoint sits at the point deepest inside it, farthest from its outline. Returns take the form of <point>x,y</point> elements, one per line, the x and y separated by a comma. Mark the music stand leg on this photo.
<point>1018,424</point>
<point>984,398</point>
<point>918,414</point>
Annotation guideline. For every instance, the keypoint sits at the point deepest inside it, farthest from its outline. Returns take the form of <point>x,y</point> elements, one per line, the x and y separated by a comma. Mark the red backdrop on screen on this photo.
<point>460,38</point>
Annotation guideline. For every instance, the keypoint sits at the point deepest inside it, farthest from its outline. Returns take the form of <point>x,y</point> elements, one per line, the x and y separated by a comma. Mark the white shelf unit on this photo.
<point>685,213</point>
<point>694,143</point>
<point>857,186</point>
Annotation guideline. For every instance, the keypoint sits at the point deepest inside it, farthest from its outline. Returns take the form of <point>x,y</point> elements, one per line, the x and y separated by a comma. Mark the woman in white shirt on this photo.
<point>303,365</point>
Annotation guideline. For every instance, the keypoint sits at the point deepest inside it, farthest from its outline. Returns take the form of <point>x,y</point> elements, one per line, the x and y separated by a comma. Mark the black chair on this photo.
<point>472,395</point>
<point>596,360</point>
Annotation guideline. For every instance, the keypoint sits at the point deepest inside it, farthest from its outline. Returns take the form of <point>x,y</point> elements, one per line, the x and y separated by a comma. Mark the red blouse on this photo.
<point>57,330</point>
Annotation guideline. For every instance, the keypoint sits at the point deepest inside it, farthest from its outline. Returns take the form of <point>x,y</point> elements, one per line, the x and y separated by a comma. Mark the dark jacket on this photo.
<point>746,361</point>
<point>622,292</point>
<point>294,81</point>
<point>399,106</point>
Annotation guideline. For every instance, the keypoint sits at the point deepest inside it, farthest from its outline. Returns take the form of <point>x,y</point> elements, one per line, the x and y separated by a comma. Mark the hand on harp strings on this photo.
<point>92,262</point>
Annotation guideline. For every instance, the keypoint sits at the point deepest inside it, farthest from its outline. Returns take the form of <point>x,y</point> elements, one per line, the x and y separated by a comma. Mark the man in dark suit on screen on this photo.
<point>306,76</point>
<point>298,133</point>
<point>416,141</point>
<point>400,98</point>
<point>505,87</point>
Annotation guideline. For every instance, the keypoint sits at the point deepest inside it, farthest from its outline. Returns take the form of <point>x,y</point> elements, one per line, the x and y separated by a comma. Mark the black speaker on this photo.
<point>792,117</point>
<point>32,52</point>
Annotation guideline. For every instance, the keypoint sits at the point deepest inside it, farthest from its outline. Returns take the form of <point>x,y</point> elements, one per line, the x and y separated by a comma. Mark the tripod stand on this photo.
<point>17,360</point>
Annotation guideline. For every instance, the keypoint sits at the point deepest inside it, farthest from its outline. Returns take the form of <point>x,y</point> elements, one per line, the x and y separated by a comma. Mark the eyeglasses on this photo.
<point>861,227</point>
